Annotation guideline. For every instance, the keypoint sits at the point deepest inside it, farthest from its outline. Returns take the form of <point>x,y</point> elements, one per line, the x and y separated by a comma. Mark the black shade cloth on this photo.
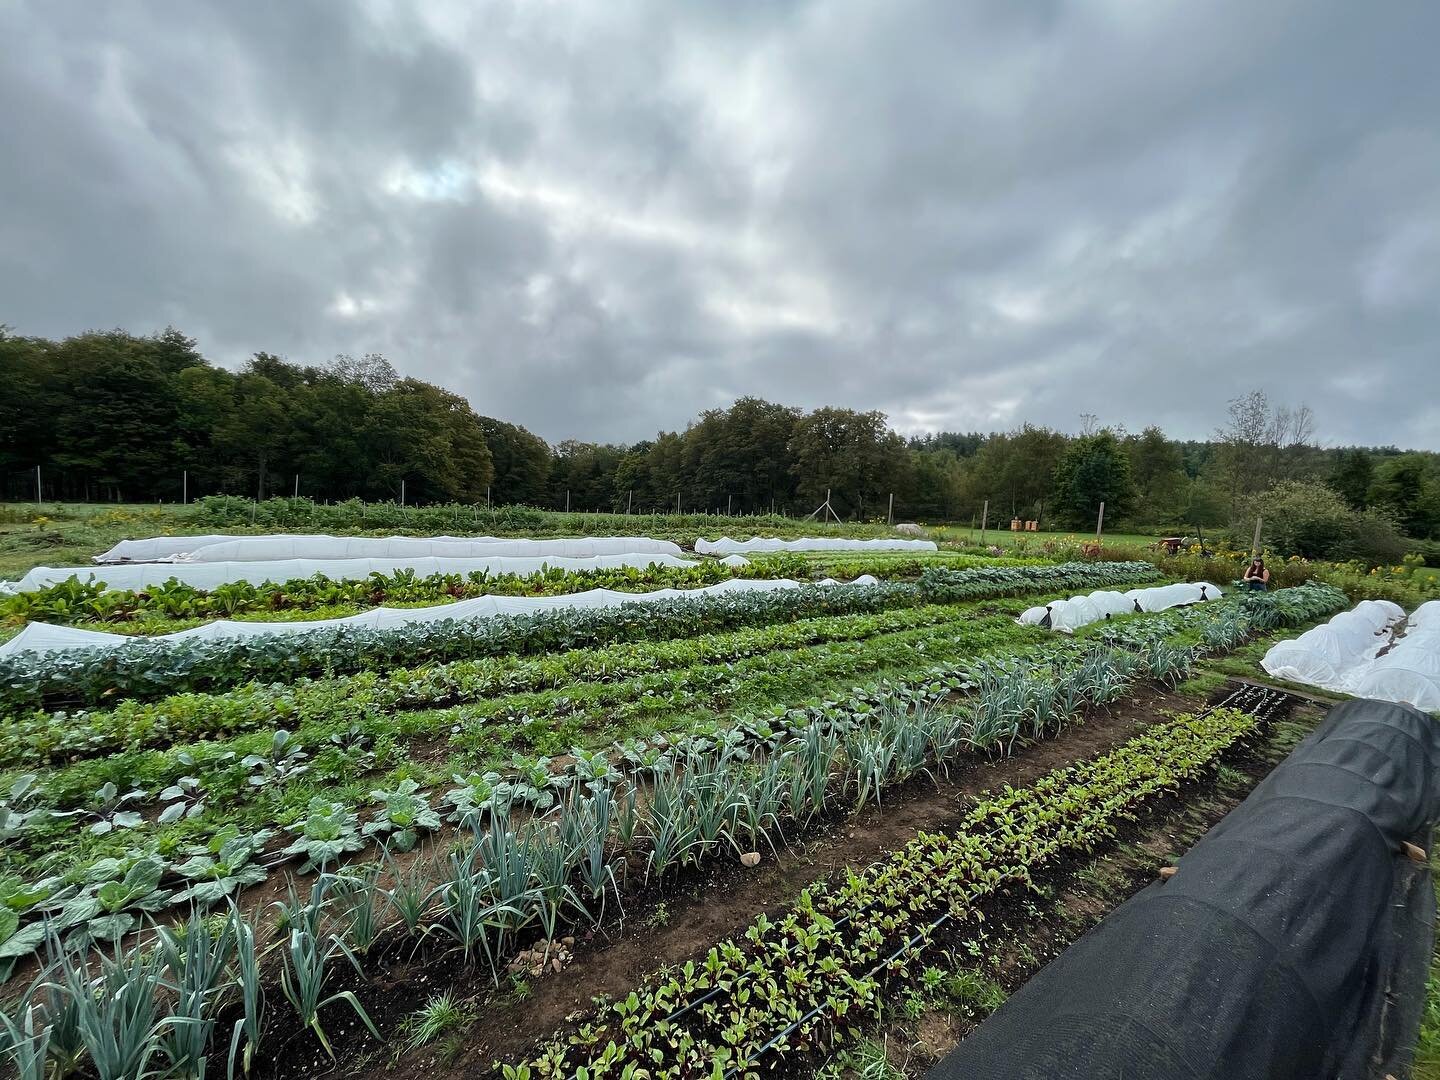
<point>1293,942</point>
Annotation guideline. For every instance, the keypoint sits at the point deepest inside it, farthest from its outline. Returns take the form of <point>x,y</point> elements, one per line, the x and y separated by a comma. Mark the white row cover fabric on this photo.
<point>1069,615</point>
<point>734,560</point>
<point>159,547</point>
<point>46,637</point>
<point>221,548</point>
<point>133,577</point>
<point>1344,655</point>
<point>726,546</point>
<point>1427,614</point>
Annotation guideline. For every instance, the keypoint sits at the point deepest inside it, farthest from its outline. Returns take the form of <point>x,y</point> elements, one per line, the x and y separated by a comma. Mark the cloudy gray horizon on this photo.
<point>599,219</point>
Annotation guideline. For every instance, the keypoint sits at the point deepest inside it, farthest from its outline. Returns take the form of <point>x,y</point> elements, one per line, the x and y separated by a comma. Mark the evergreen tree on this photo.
<point>1094,469</point>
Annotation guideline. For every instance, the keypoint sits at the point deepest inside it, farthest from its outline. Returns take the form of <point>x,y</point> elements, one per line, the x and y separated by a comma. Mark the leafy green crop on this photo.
<point>328,831</point>
<point>142,669</point>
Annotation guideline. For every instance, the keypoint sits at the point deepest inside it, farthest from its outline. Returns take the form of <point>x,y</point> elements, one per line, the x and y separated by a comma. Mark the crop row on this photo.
<point>306,515</point>
<point>174,605</point>
<point>821,967</point>
<point>74,601</point>
<point>39,737</point>
<point>144,669</point>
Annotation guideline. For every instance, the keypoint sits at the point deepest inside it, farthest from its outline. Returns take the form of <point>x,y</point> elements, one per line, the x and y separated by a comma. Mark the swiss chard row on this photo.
<point>74,601</point>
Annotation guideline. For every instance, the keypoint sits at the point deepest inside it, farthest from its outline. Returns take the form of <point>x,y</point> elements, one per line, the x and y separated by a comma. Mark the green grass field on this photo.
<point>66,534</point>
<point>1005,538</point>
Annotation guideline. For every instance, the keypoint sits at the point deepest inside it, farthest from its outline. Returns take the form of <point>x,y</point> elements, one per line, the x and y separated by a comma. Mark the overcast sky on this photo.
<point>597,219</point>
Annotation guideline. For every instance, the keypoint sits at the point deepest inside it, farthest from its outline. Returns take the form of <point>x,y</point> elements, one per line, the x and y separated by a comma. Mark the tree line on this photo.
<point>111,415</point>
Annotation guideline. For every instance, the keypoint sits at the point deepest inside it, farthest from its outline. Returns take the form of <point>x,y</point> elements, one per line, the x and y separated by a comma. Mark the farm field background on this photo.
<point>620,766</point>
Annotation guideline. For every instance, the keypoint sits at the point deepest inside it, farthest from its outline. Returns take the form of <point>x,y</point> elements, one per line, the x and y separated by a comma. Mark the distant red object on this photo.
<point>1172,544</point>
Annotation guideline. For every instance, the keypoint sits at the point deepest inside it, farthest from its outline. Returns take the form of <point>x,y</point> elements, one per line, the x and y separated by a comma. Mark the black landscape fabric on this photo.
<point>1292,943</point>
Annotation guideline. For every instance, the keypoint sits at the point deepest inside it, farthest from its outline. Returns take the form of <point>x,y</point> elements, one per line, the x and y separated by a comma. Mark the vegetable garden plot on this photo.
<point>799,754</point>
<point>726,546</point>
<point>1008,704</point>
<point>221,547</point>
<point>882,736</point>
<point>1020,694</point>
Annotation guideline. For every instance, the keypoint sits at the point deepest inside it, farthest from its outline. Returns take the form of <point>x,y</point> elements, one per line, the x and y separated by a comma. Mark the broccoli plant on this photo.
<point>284,760</point>
<point>225,864</point>
<point>403,813</point>
<point>534,783</point>
<point>474,798</point>
<point>328,831</point>
<point>119,900</point>
<point>182,799</point>
<point>593,767</point>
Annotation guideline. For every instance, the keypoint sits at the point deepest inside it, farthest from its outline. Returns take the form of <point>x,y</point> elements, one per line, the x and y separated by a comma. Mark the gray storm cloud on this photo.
<point>598,219</point>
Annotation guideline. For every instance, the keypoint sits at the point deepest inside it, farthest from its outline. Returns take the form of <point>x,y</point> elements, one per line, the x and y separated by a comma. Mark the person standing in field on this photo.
<point>1257,577</point>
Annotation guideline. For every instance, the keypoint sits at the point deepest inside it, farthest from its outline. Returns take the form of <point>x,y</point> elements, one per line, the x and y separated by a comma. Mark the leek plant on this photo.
<point>585,826</point>
<point>117,1010</point>
<point>763,801</point>
<point>356,890</point>
<point>1169,663</point>
<point>25,1038</point>
<point>550,865</point>
<point>872,760</point>
<point>673,831</point>
<point>252,999</point>
<point>467,915</point>
<point>710,786</point>
<point>303,974</point>
<point>815,756</point>
<point>506,855</point>
<point>409,895</point>
<point>194,962</point>
<point>627,818</point>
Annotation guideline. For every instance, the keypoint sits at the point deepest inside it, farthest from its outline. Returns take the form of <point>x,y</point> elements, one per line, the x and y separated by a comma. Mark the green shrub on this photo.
<point>1312,521</point>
